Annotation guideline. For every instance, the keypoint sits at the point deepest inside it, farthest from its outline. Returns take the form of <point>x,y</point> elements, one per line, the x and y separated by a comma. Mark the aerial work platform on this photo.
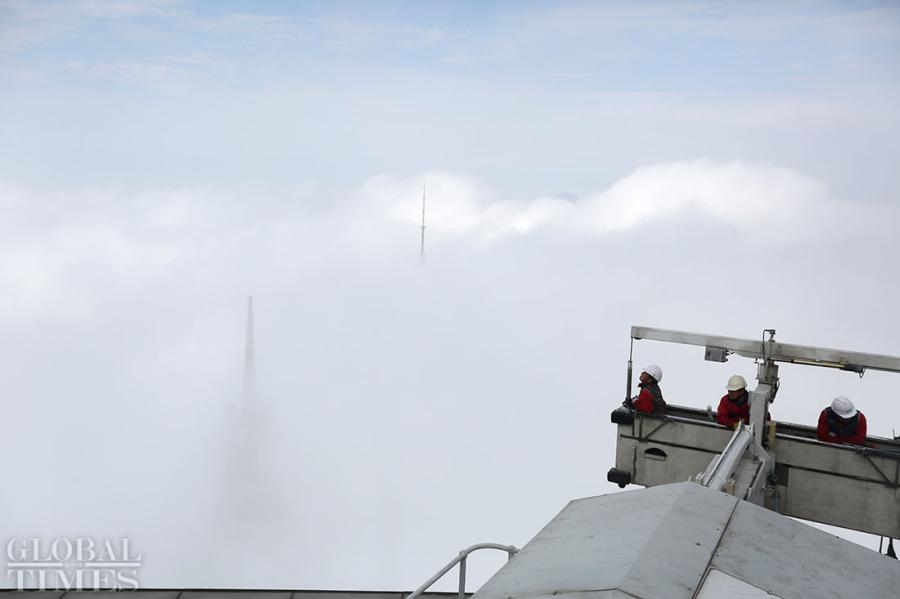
<point>713,521</point>
<point>842,485</point>
<point>778,465</point>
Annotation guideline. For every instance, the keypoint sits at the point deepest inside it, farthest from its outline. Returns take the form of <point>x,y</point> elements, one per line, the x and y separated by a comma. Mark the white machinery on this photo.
<point>727,536</point>
<point>777,465</point>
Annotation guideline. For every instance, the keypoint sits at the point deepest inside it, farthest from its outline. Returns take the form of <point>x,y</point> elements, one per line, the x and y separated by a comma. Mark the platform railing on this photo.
<point>460,559</point>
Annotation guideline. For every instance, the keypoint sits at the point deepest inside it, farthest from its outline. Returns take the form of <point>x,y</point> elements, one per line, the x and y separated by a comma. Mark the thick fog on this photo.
<point>408,406</point>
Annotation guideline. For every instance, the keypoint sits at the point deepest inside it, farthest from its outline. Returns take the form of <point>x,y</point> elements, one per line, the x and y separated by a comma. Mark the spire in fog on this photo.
<point>422,246</point>
<point>249,358</point>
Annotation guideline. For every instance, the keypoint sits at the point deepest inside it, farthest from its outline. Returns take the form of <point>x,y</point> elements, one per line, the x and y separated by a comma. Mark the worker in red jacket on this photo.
<point>650,399</point>
<point>842,423</point>
<point>734,405</point>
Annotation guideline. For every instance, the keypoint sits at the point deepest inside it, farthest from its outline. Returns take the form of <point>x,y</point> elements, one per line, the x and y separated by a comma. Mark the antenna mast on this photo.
<point>422,247</point>
<point>249,358</point>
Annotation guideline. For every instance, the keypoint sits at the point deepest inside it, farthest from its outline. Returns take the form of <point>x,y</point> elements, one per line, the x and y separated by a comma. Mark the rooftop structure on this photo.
<point>229,594</point>
<point>687,541</point>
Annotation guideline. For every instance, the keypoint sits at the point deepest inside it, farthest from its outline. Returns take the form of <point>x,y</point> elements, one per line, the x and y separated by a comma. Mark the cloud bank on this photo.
<point>408,407</point>
<point>737,195</point>
<point>60,247</point>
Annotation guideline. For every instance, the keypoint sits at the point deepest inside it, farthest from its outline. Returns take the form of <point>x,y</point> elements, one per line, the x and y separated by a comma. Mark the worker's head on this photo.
<point>736,387</point>
<point>651,374</point>
<point>843,407</point>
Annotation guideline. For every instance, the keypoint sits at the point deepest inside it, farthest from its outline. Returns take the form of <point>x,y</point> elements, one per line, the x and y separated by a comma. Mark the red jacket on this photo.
<point>855,437</point>
<point>644,402</point>
<point>730,413</point>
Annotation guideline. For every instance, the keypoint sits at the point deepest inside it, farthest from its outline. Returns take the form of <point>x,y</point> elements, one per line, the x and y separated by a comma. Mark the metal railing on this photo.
<point>460,559</point>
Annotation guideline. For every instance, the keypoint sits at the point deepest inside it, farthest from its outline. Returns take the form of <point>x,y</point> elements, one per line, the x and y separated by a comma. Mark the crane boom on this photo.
<point>776,351</point>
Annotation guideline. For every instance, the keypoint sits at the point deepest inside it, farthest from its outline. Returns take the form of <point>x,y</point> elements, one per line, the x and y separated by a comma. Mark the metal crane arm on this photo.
<point>776,351</point>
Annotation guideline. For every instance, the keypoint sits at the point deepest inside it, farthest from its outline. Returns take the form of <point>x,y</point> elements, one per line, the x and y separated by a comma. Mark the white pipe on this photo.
<point>726,462</point>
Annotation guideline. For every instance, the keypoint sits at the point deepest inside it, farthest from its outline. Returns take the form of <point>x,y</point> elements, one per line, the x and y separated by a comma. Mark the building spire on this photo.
<point>249,358</point>
<point>422,246</point>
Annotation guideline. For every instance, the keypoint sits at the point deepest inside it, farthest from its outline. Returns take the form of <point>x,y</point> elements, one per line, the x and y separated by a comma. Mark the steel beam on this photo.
<point>776,351</point>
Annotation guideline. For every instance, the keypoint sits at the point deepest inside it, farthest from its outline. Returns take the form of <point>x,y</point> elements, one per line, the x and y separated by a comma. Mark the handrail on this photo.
<point>460,559</point>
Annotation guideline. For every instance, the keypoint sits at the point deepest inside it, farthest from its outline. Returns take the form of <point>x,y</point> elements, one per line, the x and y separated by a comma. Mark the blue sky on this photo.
<point>338,92</point>
<point>622,47</point>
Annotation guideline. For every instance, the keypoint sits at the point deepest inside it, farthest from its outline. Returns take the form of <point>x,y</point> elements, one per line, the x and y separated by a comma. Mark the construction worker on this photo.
<point>650,399</point>
<point>842,423</point>
<point>734,405</point>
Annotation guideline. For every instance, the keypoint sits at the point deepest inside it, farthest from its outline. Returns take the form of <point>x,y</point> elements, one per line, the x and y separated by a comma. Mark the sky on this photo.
<point>717,167</point>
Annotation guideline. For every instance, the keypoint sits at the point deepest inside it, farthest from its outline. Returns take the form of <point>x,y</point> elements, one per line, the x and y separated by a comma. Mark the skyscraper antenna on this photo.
<point>249,358</point>
<point>422,247</point>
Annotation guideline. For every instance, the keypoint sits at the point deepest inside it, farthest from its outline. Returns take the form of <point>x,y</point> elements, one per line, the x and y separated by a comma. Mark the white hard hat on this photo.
<point>736,382</point>
<point>843,407</point>
<point>654,371</point>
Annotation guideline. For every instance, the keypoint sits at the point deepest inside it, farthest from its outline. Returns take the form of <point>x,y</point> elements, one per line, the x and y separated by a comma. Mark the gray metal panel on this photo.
<point>105,594</point>
<point>699,434</point>
<point>324,594</point>
<point>718,584</point>
<point>794,560</point>
<point>839,485</point>
<point>613,594</point>
<point>841,460</point>
<point>348,595</point>
<point>687,446</point>
<point>700,417</point>
<point>648,543</point>
<point>236,594</point>
<point>840,500</point>
<point>656,463</point>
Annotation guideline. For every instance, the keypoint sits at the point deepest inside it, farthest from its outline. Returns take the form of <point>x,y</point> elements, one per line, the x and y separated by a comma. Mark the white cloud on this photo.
<point>740,195</point>
<point>122,316</point>
<point>63,251</point>
<point>248,25</point>
<point>737,194</point>
<point>58,247</point>
<point>116,9</point>
<point>30,23</point>
<point>726,20</point>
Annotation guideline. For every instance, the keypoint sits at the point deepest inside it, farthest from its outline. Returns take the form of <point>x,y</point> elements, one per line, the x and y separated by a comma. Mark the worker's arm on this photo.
<point>822,431</point>
<point>644,402</point>
<point>723,417</point>
<point>859,438</point>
